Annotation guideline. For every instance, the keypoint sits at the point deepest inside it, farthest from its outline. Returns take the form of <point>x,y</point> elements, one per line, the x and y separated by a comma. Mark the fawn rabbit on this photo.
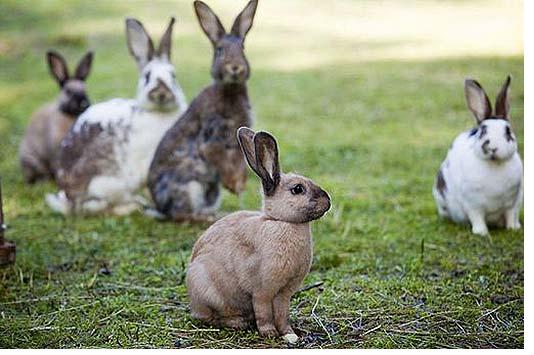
<point>38,151</point>
<point>481,180</point>
<point>104,159</point>
<point>201,149</point>
<point>247,265</point>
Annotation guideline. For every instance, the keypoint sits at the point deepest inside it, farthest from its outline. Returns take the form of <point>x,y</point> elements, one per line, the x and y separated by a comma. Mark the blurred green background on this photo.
<point>363,96</point>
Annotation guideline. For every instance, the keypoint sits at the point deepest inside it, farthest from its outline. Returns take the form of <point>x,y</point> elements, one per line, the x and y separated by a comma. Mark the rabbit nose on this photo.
<point>324,194</point>
<point>329,201</point>
<point>235,68</point>
<point>324,202</point>
<point>487,148</point>
<point>161,93</point>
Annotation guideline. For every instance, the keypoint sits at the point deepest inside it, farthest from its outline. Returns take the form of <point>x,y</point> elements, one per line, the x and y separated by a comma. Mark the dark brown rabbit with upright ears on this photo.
<point>38,152</point>
<point>246,266</point>
<point>200,151</point>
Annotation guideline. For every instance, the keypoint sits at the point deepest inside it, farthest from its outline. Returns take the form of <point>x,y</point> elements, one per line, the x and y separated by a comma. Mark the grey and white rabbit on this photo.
<point>201,150</point>
<point>246,267</point>
<point>38,151</point>
<point>481,180</point>
<point>104,159</point>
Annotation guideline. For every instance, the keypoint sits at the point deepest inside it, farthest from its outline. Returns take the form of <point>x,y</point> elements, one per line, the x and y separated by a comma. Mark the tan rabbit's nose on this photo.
<point>323,199</point>
<point>321,194</point>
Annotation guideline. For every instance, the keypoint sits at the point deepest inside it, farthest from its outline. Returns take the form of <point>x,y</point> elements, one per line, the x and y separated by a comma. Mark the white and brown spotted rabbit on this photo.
<point>201,150</point>
<point>104,159</point>
<point>39,148</point>
<point>247,265</point>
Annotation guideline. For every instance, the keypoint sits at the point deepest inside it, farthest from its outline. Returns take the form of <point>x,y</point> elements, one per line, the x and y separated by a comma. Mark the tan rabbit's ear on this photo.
<point>243,21</point>
<point>477,100</point>
<point>210,23</point>
<point>84,66</point>
<point>139,42</point>
<point>245,137</point>
<point>58,67</point>
<point>164,48</point>
<point>502,104</point>
<point>266,151</point>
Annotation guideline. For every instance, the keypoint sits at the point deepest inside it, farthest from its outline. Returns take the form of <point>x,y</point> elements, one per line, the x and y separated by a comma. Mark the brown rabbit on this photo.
<point>247,265</point>
<point>39,147</point>
<point>200,151</point>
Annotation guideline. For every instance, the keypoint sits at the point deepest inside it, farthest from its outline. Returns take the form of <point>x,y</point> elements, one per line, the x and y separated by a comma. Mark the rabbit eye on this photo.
<point>483,131</point>
<point>147,78</point>
<point>508,135</point>
<point>297,189</point>
<point>219,50</point>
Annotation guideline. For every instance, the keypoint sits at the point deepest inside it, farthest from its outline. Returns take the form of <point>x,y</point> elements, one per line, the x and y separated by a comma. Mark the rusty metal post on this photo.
<point>7,249</point>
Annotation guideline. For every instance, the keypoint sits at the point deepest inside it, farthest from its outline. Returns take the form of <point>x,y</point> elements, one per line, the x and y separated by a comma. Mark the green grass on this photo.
<point>371,132</point>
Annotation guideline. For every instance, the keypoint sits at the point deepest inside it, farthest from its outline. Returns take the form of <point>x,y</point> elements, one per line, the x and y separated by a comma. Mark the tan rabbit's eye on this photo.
<point>297,189</point>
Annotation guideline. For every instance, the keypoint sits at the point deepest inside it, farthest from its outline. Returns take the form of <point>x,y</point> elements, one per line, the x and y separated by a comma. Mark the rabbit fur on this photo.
<point>481,180</point>
<point>246,266</point>
<point>201,150</point>
<point>38,151</point>
<point>104,159</point>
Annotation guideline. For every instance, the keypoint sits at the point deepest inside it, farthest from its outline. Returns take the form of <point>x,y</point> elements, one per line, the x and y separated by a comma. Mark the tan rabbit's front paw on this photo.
<point>291,338</point>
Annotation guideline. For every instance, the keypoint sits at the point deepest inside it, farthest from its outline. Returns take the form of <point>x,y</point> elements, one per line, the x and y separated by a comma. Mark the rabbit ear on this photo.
<point>139,42</point>
<point>243,21</point>
<point>210,23</point>
<point>164,48</point>
<point>267,161</point>
<point>477,100</point>
<point>84,66</point>
<point>58,67</point>
<point>502,104</point>
<point>245,137</point>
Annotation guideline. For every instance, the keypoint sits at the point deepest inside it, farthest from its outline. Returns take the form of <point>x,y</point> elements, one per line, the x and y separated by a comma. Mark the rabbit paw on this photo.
<point>480,229</point>
<point>126,209</point>
<point>291,338</point>
<point>237,323</point>
<point>268,331</point>
<point>515,225</point>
